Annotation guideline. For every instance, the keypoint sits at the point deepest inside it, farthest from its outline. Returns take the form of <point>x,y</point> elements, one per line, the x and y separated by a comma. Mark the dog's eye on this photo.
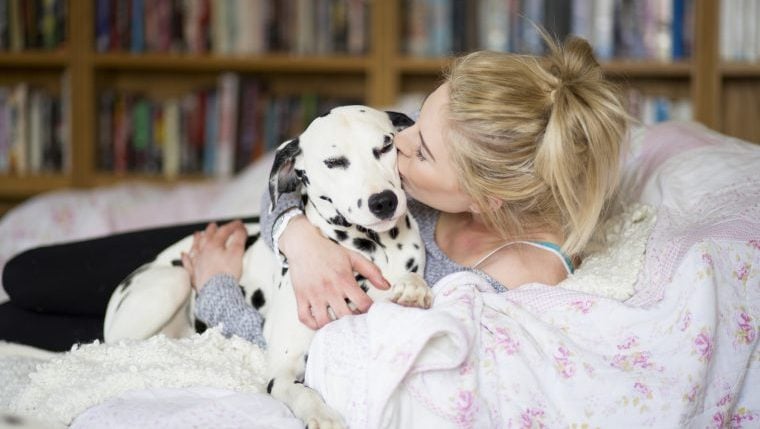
<point>340,162</point>
<point>383,150</point>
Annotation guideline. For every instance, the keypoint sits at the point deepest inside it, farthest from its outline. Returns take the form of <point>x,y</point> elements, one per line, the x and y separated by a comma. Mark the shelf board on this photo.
<point>106,179</point>
<point>43,59</point>
<point>648,68</point>
<point>215,63</point>
<point>26,186</point>
<point>411,65</point>
<point>740,69</point>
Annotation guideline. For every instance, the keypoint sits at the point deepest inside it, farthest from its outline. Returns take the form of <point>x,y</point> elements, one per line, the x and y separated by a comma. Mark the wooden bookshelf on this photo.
<point>724,95</point>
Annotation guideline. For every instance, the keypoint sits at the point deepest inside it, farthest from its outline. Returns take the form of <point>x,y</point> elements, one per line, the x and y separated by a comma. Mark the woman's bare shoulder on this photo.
<point>517,265</point>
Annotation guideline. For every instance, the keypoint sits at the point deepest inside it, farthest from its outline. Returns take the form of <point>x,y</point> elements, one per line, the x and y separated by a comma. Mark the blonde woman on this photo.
<point>508,169</point>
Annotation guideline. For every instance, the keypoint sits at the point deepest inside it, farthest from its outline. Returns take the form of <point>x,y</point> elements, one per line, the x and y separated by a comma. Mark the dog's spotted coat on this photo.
<point>345,165</point>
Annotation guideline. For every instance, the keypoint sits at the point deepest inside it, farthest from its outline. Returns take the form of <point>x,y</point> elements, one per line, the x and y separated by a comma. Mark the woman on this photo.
<point>509,168</point>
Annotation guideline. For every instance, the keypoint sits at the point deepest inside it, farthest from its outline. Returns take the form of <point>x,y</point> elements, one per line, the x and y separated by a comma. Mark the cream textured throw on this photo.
<point>66,385</point>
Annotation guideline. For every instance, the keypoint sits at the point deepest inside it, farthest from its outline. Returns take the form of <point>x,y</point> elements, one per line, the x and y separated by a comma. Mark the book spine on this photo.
<point>229,84</point>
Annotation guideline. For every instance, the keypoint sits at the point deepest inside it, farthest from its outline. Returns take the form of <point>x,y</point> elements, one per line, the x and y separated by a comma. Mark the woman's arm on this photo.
<point>322,272</point>
<point>215,264</point>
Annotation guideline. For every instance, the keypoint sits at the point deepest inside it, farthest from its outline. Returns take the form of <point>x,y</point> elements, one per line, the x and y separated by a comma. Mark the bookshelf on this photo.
<point>724,94</point>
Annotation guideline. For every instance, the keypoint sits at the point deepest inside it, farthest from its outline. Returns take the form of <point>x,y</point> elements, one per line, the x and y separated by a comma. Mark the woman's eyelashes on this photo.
<point>420,155</point>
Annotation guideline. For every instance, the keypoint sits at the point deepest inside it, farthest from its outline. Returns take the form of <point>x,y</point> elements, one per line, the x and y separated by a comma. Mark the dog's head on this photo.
<point>346,159</point>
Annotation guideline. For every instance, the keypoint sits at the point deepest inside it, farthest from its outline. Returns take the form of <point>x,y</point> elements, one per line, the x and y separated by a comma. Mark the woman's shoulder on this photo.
<point>519,264</point>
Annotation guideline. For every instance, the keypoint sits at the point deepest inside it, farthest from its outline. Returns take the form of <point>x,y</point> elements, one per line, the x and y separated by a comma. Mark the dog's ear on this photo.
<point>399,120</point>
<point>283,178</point>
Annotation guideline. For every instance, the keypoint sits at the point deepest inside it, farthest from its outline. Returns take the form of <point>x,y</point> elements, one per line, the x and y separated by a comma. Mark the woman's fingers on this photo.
<point>305,315</point>
<point>369,270</point>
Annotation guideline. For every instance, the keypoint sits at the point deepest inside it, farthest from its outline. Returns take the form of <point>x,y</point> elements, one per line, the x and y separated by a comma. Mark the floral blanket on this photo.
<point>681,352</point>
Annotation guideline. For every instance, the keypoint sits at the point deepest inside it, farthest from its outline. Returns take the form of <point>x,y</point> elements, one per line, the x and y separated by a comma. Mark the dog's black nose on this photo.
<point>383,204</point>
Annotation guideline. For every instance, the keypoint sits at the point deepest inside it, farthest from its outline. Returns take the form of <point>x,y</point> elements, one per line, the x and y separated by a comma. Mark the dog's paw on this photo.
<point>412,291</point>
<point>325,419</point>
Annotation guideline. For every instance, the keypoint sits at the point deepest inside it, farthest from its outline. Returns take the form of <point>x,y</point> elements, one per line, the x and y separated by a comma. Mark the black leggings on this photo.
<point>59,293</point>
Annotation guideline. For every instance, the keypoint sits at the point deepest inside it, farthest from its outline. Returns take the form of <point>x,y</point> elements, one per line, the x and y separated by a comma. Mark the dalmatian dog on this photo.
<point>344,164</point>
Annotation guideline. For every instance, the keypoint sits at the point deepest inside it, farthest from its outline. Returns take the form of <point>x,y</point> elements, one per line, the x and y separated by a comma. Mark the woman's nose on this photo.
<point>402,142</point>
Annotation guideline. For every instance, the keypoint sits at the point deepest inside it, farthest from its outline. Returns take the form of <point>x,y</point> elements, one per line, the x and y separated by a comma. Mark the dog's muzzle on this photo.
<point>383,204</point>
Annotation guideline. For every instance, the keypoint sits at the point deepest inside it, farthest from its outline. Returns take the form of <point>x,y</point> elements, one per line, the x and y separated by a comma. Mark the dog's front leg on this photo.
<point>286,385</point>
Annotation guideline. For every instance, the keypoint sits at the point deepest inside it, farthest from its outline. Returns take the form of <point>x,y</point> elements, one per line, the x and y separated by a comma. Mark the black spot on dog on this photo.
<point>340,234</point>
<point>359,203</point>
<point>284,270</point>
<point>12,420</point>
<point>270,385</point>
<point>128,281</point>
<point>359,278</point>
<point>416,246</point>
<point>338,162</point>
<point>333,240</point>
<point>399,246</point>
<point>408,222</point>
<point>362,110</point>
<point>377,153</point>
<point>251,240</point>
<point>303,177</point>
<point>257,299</point>
<point>297,381</point>
<point>123,298</point>
<point>393,232</point>
<point>364,287</point>
<point>387,139</point>
<point>409,263</point>
<point>326,198</point>
<point>304,199</point>
<point>415,268</point>
<point>242,290</point>
<point>365,245</point>
<point>325,114</point>
<point>305,358</point>
<point>176,262</point>
<point>200,327</point>
<point>339,220</point>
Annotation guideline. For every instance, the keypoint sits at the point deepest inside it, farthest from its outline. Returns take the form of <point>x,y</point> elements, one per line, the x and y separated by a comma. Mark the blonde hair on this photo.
<point>541,136</point>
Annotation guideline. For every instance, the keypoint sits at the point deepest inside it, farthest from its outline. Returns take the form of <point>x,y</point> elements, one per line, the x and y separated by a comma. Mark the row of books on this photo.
<point>32,24</point>
<point>740,30</point>
<point>651,109</point>
<point>638,29</point>
<point>33,130</point>
<point>232,26</point>
<point>214,131</point>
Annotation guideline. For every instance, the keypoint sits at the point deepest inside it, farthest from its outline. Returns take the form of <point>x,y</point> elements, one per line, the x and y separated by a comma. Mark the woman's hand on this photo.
<point>322,274</point>
<point>216,250</point>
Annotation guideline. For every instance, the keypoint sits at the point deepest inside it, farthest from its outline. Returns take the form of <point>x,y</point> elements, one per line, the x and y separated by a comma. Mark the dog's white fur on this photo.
<point>340,161</point>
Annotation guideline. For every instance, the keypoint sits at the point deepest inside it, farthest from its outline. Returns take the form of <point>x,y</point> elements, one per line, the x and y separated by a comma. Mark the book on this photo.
<point>228,91</point>
<point>171,147</point>
<point>19,121</point>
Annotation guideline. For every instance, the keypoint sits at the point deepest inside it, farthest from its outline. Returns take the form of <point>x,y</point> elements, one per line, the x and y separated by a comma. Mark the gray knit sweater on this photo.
<point>221,300</point>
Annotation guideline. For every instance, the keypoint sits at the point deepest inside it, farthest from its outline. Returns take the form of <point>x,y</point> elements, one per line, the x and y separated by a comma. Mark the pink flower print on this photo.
<point>718,419</point>
<point>746,333</point>
<point>686,321</point>
<point>755,244</point>
<point>531,418</point>
<point>707,259</point>
<point>692,395</point>
<point>724,400</point>
<point>642,389</point>
<point>628,343</point>
<point>703,345</point>
<point>631,361</point>
<point>506,342</point>
<point>562,362</point>
<point>584,306</point>
<point>741,416</point>
<point>466,407</point>
<point>742,272</point>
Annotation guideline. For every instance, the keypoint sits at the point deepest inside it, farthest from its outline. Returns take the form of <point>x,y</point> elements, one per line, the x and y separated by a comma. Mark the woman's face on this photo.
<point>427,173</point>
